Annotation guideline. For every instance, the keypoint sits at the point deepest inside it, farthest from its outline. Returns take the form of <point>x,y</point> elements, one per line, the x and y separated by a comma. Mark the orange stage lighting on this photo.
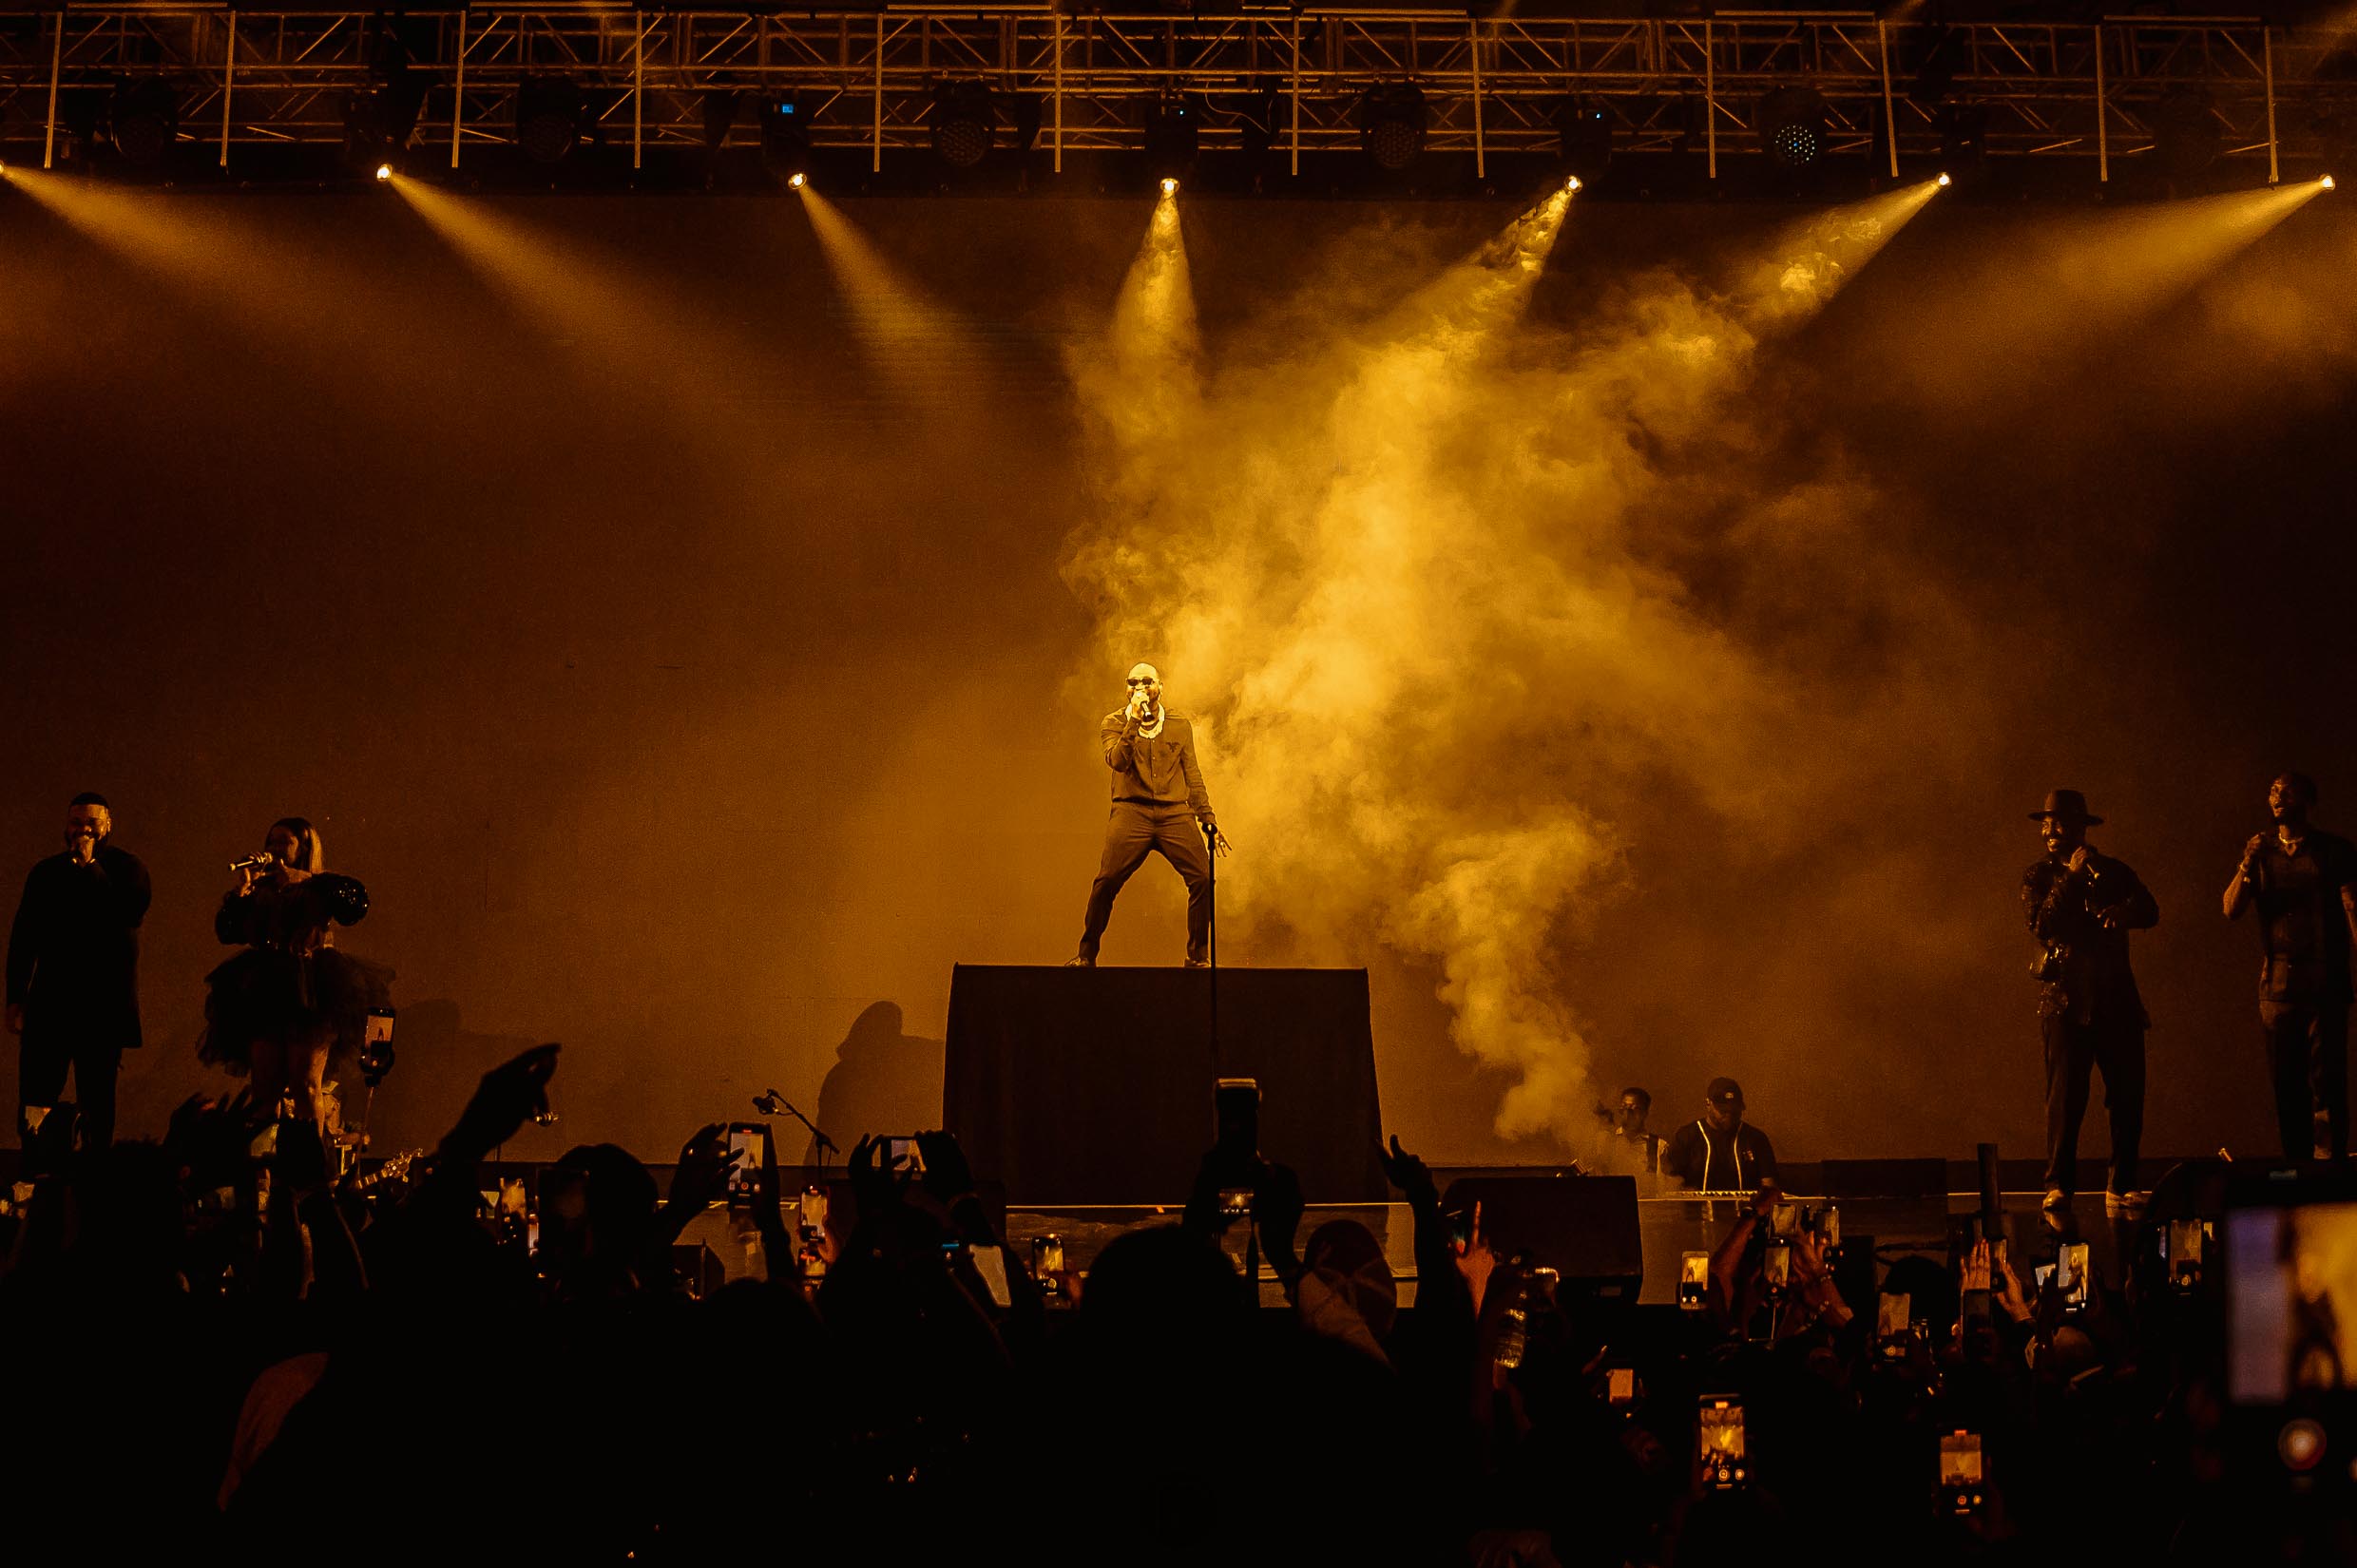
<point>797,179</point>
<point>1170,187</point>
<point>384,171</point>
<point>2325,182</point>
<point>1572,184</point>
<point>1944,182</point>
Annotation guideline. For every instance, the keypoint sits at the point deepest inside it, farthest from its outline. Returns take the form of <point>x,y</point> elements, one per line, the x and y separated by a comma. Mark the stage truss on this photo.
<point>2099,92</point>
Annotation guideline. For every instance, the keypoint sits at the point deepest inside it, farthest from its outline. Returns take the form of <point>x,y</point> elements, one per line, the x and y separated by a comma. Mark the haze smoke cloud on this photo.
<point>1395,570</point>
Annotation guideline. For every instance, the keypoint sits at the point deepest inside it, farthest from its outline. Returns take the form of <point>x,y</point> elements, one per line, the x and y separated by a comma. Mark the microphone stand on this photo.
<point>777,1101</point>
<point>1211,853</point>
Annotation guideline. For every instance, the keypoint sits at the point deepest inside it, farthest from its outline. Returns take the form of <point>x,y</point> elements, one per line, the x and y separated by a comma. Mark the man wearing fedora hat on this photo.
<point>2081,905</point>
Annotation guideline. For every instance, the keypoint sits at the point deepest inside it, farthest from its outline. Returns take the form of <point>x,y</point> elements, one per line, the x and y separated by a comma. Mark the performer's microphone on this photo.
<point>767,1103</point>
<point>254,862</point>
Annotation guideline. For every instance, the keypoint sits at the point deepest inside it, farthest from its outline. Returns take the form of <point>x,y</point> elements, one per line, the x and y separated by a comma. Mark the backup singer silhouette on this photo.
<point>1159,800</point>
<point>73,972</point>
<point>2303,881</point>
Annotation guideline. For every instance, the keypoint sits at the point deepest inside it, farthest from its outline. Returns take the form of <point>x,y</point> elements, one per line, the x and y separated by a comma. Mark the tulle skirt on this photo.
<point>265,993</point>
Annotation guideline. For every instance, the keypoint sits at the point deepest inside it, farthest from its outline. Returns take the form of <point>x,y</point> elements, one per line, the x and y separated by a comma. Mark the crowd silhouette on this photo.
<point>219,1345</point>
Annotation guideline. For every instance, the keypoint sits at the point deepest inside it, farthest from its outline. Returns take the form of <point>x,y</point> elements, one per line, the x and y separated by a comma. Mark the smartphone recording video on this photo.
<point>1621,1385</point>
<point>1693,1281</point>
<point>1047,1256</point>
<point>1959,1471</point>
<point>746,1142</point>
<point>1236,1122</point>
<point>2291,1302</point>
<point>902,1156</point>
<point>2181,1249</point>
<point>1719,1437</point>
<point>1893,1315</point>
<point>1778,1265</point>
<point>2070,1276</point>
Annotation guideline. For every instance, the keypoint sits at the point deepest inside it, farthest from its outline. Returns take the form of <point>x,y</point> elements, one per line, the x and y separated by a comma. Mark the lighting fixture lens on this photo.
<point>1170,187</point>
<point>796,180</point>
<point>384,171</point>
<point>1572,184</point>
<point>2326,182</point>
<point>1946,182</point>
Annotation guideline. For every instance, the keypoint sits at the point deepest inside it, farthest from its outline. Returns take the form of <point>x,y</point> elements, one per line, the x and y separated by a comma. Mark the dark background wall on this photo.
<point>685,681</point>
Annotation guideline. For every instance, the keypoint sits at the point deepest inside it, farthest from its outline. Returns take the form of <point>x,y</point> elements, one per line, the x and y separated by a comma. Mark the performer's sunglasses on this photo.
<point>1141,682</point>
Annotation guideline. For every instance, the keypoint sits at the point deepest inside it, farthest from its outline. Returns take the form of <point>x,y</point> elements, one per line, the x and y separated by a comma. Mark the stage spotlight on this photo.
<point>1572,184</point>
<point>1964,136</point>
<point>142,120</point>
<point>719,113</point>
<point>1583,135</point>
<point>963,124</point>
<point>1023,119</point>
<point>384,171</point>
<point>1789,123</point>
<point>1173,134</point>
<point>786,139</point>
<point>2325,182</point>
<point>549,111</point>
<point>378,122</point>
<point>1944,182</point>
<point>2186,138</point>
<point>1390,125</point>
<point>1170,186</point>
<point>1257,121</point>
<point>796,181</point>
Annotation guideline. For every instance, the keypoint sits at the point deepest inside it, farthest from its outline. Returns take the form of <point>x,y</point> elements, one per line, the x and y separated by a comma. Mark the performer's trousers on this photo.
<point>1135,831</point>
<point>42,1061</point>
<point>2074,1050</point>
<point>2308,1059</point>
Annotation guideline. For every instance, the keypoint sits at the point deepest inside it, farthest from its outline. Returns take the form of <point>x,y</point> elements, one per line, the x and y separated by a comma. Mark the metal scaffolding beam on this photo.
<point>2047,89</point>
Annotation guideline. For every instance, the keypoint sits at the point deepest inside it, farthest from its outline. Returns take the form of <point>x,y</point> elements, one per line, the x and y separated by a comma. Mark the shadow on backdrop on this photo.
<point>883,1081</point>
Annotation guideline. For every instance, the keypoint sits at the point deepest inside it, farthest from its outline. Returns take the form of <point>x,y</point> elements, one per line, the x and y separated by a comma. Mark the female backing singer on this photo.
<point>280,1008</point>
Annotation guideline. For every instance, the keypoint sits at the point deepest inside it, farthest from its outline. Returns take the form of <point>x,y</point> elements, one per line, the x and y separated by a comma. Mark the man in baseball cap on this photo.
<point>1720,1152</point>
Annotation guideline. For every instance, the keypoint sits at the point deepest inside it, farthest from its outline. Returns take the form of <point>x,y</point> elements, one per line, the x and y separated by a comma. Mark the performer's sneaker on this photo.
<point>2057,1209</point>
<point>1198,963</point>
<point>1083,963</point>
<point>2129,1206</point>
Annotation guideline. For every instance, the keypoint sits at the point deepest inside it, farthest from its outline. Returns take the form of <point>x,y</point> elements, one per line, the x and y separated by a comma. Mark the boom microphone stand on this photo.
<point>1211,853</point>
<point>772,1102</point>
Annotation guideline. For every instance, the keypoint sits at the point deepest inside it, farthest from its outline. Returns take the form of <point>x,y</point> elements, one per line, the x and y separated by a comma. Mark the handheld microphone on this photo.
<point>767,1103</point>
<point>254,862</point>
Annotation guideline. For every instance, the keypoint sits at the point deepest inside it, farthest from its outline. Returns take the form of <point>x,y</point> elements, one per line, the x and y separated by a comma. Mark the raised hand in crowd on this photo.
<point>1276,1210</point>
<point>2007,1286</point>
<point>701,1177</point>
<point>1411,1176</point>
<point>511,1095</point>
<point>1475,1261</point>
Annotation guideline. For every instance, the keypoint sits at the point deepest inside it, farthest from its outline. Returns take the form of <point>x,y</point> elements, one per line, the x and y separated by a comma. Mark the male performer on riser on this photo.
<point>1158,799</point>
<point>2304,881</point>
<point>73,971</point>
<point>2081,905</point>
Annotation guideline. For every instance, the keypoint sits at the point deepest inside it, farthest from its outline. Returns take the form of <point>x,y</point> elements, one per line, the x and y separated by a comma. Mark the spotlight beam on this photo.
<point>1152,347</point>
<point>889,314</point>
<point>606,316</point>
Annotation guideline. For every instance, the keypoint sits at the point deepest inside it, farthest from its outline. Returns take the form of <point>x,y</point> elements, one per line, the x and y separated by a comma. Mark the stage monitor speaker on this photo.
<point>1884,1178</point>
<point>1094,1086</point>
<point>1582,1227</point>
